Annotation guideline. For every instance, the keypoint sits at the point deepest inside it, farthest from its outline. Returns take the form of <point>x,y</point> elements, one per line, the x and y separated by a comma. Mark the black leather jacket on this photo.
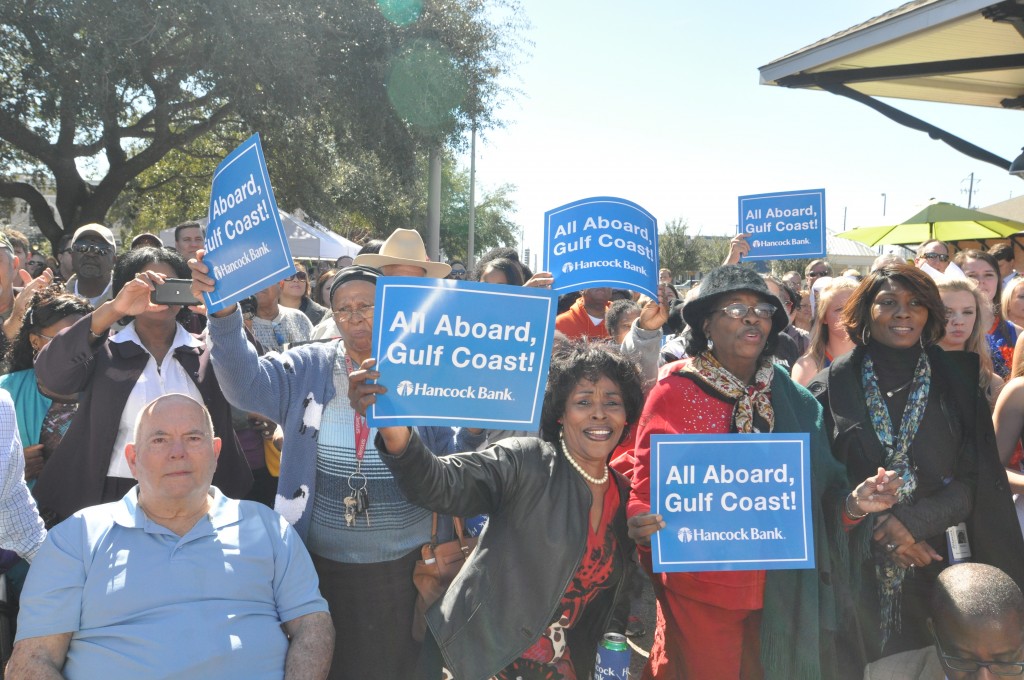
<point>507,593</point>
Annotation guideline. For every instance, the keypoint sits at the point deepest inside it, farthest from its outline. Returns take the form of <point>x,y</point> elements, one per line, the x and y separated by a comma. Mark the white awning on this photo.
<point>954,51</point>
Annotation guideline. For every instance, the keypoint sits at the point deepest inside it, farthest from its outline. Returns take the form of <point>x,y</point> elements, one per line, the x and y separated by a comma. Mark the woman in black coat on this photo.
<point>899,401</point>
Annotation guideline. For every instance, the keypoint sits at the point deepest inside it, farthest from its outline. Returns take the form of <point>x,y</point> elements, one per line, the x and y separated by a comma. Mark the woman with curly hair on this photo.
<point>535,597</point>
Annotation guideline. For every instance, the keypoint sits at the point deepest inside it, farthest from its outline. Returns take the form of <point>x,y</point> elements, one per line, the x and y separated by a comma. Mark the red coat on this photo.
<point>677,405</point>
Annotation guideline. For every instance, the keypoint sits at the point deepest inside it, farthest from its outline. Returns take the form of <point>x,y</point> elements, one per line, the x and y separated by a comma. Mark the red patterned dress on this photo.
<point>549,657</point>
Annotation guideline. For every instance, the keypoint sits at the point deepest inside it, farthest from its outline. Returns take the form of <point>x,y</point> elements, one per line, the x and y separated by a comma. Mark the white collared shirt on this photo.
<point>166,378</point>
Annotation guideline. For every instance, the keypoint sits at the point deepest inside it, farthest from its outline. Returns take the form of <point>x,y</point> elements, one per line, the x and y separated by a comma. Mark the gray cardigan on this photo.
<point>291,389</point>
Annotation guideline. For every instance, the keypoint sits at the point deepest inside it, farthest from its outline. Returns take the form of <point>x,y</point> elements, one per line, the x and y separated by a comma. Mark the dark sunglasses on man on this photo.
<point>93,248</point>
<point>936,256</point>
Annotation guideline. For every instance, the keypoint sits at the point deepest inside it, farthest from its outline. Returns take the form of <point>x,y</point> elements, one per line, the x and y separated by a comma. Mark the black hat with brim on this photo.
<point>731,278</point>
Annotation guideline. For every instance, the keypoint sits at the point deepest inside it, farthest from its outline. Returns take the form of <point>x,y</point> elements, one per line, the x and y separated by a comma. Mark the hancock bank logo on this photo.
<point>408,388</point>
<point>687,535</point>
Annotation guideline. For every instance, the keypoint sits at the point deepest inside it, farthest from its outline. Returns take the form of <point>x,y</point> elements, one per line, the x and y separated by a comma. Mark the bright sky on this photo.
<point>658,102</point>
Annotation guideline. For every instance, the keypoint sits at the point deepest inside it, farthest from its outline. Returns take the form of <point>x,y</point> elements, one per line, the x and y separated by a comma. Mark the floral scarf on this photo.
<point>890,575</point>
<point>749,398</point>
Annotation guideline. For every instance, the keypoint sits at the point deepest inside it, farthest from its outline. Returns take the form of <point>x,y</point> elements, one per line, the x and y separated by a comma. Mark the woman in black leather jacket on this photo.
<point>899,401</point>
<point>537,594</point>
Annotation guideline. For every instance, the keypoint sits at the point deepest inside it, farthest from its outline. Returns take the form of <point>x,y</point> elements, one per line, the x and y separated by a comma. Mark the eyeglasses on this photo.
<point>740,310</point>
<point>953,663</point>
<point>301,276</point>
<point>350,313</point>
<point>93,248</point>
<point>814,275</point>
<point>936,256</point>
<point>458,273</point>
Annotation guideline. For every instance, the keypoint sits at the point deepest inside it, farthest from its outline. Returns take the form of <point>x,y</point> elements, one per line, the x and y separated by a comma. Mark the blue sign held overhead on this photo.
<point>246,245</point>
<point>732,502</point>
<point>784,225</point>
<point>602,242</point>
<point>450,352</point>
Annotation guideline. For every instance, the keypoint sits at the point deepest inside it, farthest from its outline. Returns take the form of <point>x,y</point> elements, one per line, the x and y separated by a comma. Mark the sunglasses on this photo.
<point>936,256</point>
<point>814,275</point>
<point>93,248</point>
<point>301,276</point>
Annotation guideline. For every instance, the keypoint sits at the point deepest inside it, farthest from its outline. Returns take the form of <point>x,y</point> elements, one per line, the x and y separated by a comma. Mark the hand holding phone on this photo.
<point>174,292</point>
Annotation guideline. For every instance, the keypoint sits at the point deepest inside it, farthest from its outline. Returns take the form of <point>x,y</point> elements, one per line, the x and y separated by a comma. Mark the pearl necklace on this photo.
<point>572,461</point>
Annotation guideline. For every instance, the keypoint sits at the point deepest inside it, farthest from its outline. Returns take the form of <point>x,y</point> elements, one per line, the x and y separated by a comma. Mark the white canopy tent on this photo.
<point>305,240</point>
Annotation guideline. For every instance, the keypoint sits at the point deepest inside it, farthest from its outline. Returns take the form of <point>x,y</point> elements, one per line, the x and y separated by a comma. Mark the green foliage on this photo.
<point>780,267</point>
<point>118,86</point>
<point>492,227</point>
<point>689,256</point>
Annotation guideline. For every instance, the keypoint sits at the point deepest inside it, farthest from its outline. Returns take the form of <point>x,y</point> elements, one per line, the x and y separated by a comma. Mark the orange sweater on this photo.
<point>575,323</point>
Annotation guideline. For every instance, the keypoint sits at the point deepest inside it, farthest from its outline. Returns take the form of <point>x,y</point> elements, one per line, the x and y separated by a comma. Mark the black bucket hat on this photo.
<point>731,278</point>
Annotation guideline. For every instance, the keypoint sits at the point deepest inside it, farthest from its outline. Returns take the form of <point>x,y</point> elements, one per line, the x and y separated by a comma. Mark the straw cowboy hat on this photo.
<point>404,246</point>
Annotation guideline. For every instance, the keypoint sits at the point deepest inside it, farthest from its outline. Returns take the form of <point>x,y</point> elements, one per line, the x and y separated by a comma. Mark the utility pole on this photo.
<point>970,191</point>
<point>434,204</point>
<point>470,258</point>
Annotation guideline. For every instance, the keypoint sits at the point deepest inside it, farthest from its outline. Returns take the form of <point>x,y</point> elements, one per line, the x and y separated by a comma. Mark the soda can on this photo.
<point>613,658</point>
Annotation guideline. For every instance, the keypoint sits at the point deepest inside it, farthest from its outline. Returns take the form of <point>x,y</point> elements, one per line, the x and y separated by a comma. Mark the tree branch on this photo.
<point>41,210</point>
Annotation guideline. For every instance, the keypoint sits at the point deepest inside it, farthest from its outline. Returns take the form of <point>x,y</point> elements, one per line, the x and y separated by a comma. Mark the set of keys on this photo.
<point>357,504</point>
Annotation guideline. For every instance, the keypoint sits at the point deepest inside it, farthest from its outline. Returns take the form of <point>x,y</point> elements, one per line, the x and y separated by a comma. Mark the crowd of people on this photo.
<point>201,494</point>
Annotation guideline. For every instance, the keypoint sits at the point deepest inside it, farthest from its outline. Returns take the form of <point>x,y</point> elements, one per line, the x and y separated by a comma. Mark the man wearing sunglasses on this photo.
<point>92,258</point>
<point>935,253</point>
<point>977,625</point>
<point>815,270</point>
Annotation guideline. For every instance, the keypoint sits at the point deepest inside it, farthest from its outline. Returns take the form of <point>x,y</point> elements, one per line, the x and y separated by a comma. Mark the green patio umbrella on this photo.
<point>942,221</point>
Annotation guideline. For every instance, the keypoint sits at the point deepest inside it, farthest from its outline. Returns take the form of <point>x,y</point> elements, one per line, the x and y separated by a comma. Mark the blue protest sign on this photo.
<point>784,225</point>
<point>602,242</point>
<point>246,246</point>
<point>732,502</point>
<point>461,353</point>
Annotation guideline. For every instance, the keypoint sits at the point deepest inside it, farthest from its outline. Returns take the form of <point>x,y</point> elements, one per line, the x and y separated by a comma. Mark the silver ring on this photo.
<point>890,546</point>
